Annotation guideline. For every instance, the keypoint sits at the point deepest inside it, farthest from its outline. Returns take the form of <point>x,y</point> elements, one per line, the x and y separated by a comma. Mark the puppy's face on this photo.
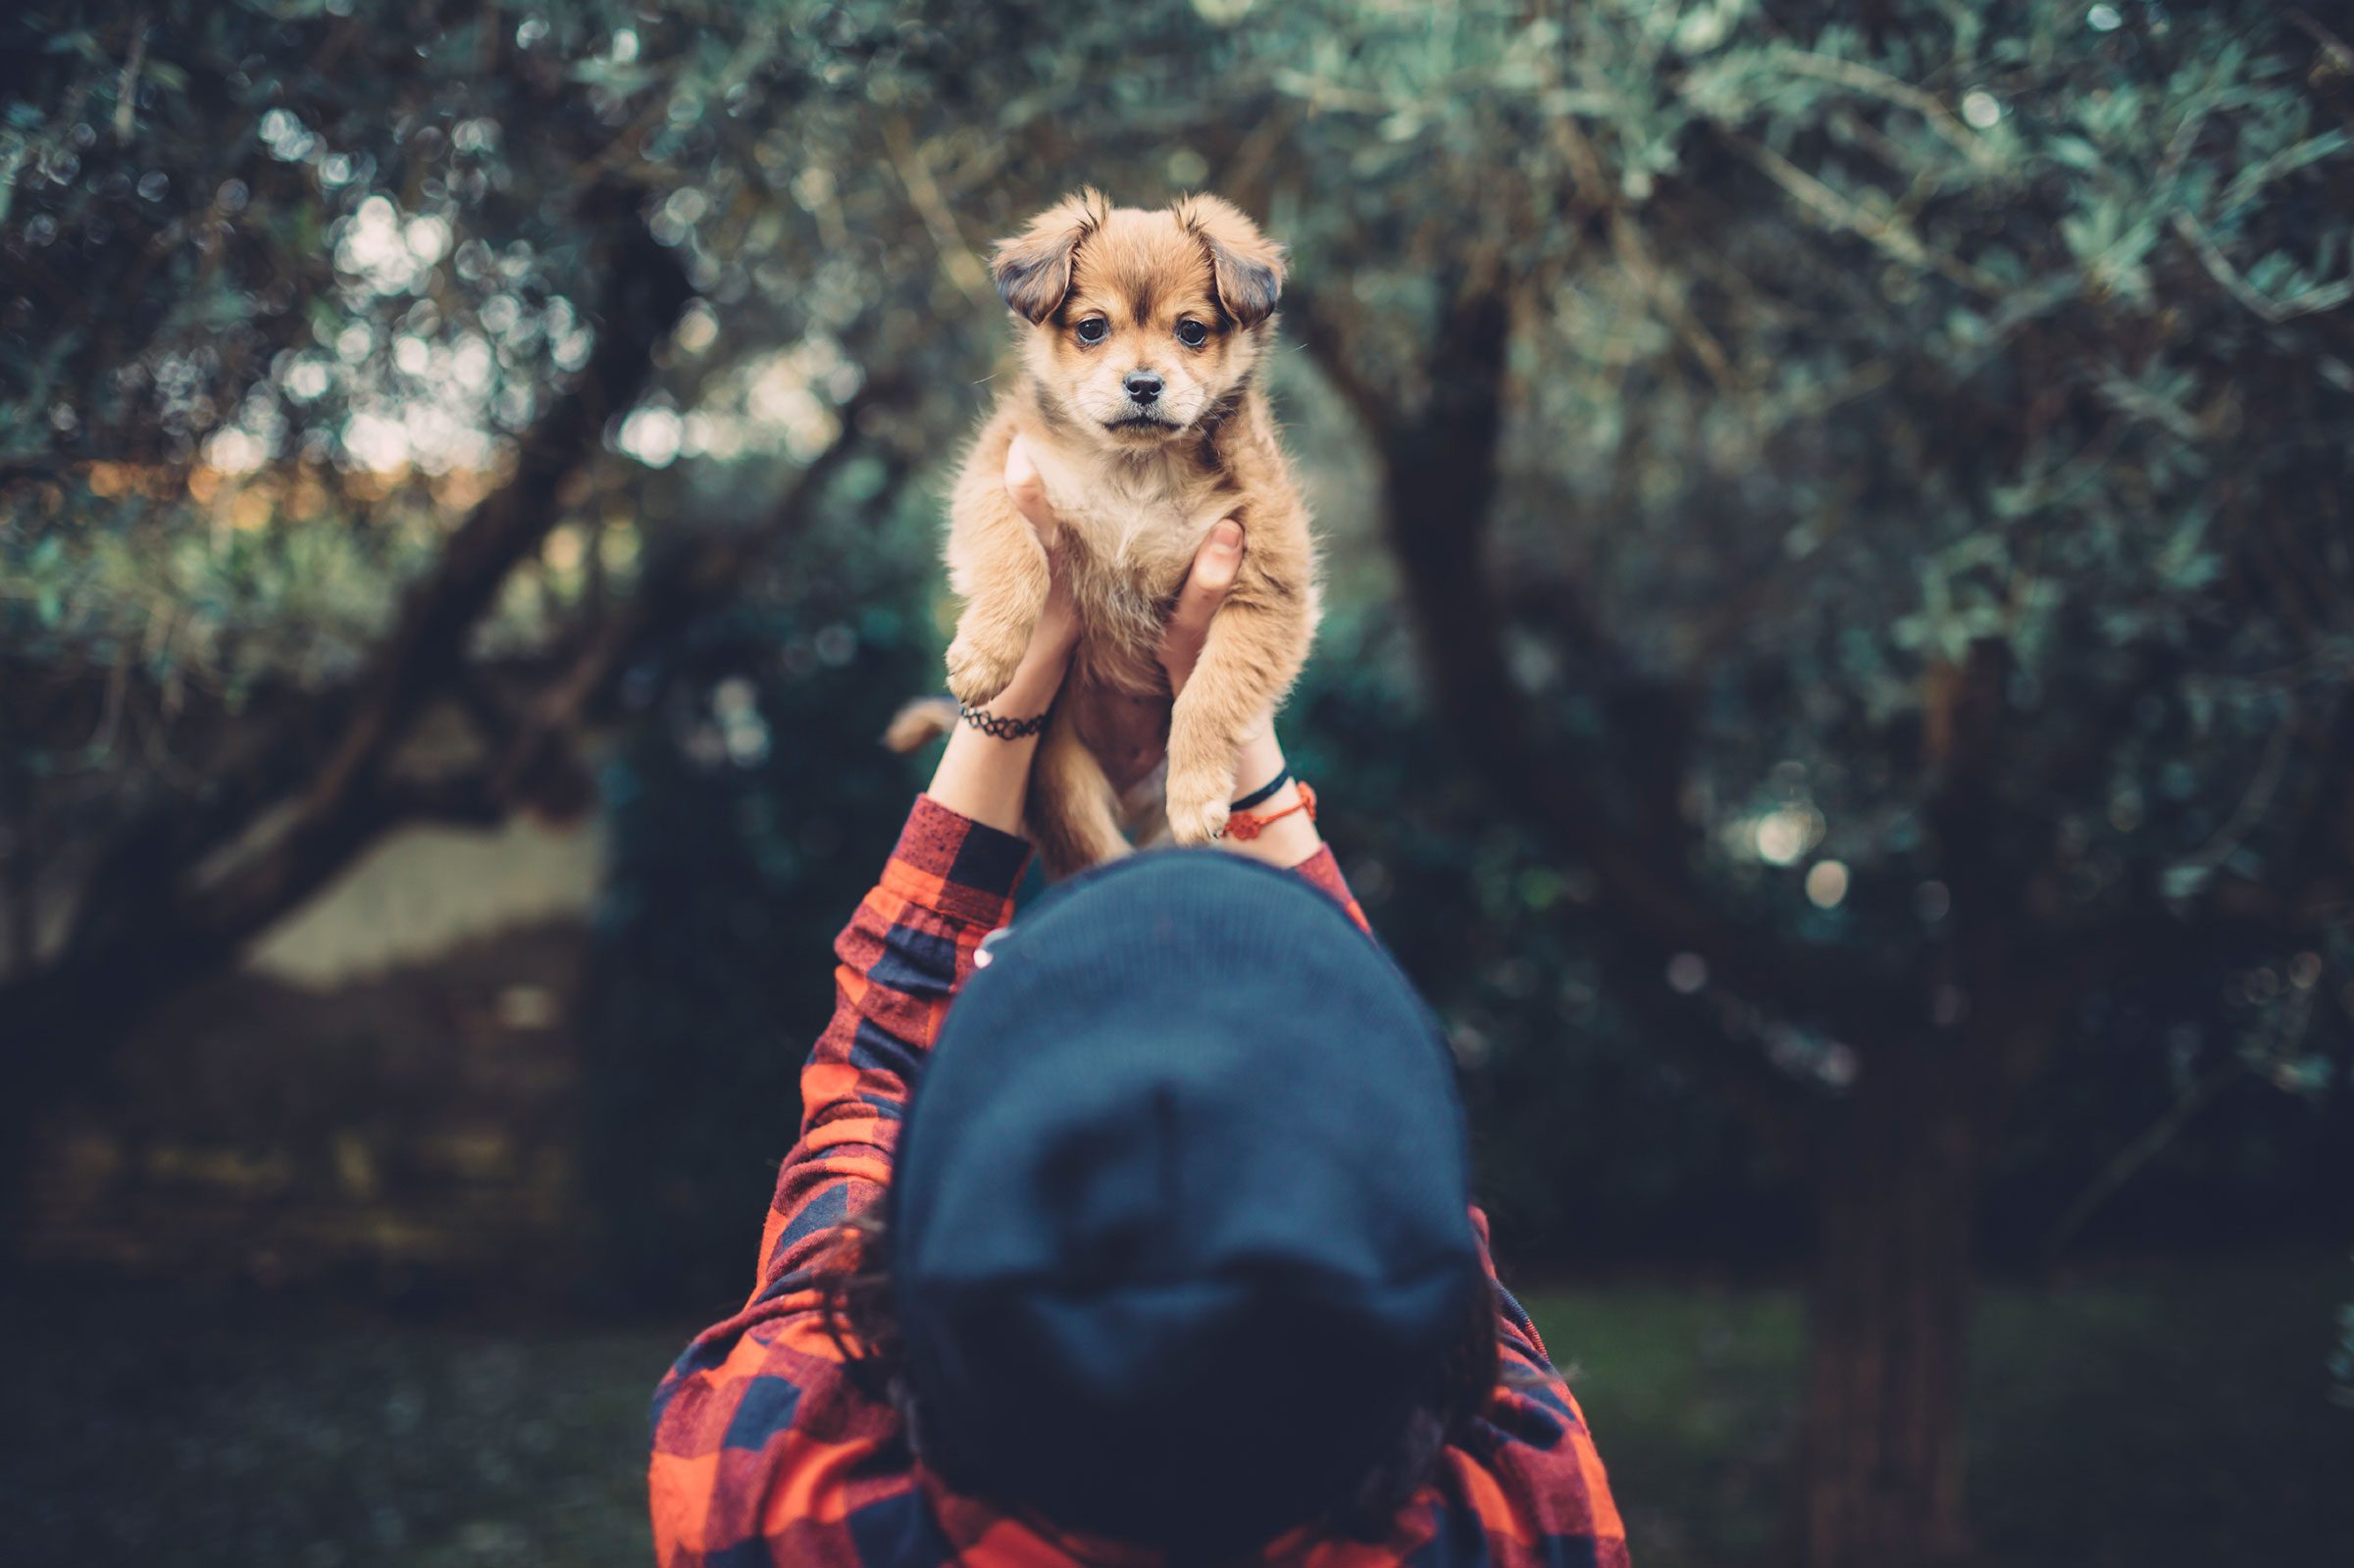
<point>1139,322</point>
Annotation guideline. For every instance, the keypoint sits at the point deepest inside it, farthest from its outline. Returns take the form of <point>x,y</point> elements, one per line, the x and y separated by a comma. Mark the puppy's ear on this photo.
<point>1033,268</point>
<point>1245,265</point>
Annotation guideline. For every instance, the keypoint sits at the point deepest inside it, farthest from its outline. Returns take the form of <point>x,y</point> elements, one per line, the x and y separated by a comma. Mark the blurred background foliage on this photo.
<point>1837,515</point>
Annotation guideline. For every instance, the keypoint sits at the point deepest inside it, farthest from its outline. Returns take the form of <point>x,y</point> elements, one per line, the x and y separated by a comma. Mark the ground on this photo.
<point>2151,1416</point>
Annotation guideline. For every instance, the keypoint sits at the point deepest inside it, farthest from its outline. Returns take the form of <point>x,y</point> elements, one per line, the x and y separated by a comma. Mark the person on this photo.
<point>1135,1230</point>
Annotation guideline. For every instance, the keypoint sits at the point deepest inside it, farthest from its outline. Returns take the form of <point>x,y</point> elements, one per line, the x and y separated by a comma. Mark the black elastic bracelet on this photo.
<point>989,723</point>
<point>1263,791</point>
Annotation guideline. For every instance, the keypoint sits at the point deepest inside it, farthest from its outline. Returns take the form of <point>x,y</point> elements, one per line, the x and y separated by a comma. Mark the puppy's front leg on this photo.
<point>1251,655</point>
<point>997,565</point>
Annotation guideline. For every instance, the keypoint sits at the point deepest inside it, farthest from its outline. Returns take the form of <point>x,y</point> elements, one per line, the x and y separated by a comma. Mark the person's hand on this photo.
<point>1215,566</point>
<point>1260,757</point>
<point>1129,735</point>
<point>1057,629</point>
<point>987,777</point>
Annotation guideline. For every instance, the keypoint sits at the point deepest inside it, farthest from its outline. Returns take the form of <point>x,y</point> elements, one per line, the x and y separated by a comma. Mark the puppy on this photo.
<point>1142,335</point>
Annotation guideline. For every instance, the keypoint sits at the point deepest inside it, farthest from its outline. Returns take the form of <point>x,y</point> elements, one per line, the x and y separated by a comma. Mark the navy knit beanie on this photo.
<point>1179,1230</point>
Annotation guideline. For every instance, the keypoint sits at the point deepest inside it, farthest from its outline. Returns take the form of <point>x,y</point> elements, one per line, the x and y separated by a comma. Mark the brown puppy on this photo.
<point>1142,335</point>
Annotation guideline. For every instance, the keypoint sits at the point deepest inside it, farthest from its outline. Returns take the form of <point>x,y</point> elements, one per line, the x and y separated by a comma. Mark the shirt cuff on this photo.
<point>1323,873</point>
<point>956,867</point>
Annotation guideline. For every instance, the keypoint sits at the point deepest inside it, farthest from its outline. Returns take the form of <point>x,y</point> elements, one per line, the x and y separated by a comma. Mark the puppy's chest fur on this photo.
<point>1132,524</point>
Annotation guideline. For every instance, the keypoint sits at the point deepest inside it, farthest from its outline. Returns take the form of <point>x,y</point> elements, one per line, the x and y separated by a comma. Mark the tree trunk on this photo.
<point>1884,1440</point>
<point>146,923</point>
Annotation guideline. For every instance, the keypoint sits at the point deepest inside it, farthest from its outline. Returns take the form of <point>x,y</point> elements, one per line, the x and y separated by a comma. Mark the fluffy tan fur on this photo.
<point>1134,498</point>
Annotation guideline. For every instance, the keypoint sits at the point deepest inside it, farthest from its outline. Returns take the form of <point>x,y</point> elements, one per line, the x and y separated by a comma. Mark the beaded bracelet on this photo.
<point>989,723</point>
<point>1249,825</point>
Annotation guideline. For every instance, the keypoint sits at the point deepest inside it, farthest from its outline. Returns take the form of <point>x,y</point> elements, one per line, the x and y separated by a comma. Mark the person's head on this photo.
<point>1178,1248</point>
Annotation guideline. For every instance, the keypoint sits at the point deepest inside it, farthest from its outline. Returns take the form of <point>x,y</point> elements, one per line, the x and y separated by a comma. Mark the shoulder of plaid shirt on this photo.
<point>765,1452</point>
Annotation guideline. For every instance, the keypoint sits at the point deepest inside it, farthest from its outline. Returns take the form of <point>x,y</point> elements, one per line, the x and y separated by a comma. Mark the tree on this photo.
<point>1925,467</point>
<point>1868,486</point>
<point>288,279</point>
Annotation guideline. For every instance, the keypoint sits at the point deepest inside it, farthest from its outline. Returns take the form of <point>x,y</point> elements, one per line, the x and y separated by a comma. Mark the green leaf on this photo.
<point>2184,881</point>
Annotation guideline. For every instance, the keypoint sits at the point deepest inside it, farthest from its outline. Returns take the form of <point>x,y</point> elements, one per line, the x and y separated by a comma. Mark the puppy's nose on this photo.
<point>1143,385</point>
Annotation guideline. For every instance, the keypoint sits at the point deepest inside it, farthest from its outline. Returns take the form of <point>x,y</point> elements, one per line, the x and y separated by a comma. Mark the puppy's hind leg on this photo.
<point>1071,814</point>
<point>1144,809</point>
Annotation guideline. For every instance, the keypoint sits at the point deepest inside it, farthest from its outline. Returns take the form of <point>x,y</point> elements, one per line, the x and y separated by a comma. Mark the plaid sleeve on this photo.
<point>904,956</point>
<point>1322,872</point>
<point>1527,1488</point>
<point>761,1449</point>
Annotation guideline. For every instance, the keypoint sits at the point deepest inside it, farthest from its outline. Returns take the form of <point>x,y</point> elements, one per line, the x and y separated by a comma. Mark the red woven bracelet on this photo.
<point>1249,825</point>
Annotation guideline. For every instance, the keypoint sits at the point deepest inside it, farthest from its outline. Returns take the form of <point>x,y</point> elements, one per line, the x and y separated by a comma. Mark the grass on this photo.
<point>2151,1417</point>
<point>2173,1415</point>
<point>1689,1392</point>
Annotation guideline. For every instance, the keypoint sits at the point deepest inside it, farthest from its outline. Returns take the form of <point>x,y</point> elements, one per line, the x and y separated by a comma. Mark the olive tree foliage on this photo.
<point>1911,605</point>
<point>1989,416</point>
<point>342,370</point>
<point>2064,282</point>
<point>1868,483</point>
<point>1870,380</point>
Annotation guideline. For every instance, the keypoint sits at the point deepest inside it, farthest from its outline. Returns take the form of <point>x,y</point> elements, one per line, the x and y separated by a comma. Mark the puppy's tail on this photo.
<point>924,718</point>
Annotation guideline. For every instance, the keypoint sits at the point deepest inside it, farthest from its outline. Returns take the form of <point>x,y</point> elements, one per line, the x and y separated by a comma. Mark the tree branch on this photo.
<point>1440,477</point>
<point>153,917</point>
<point>1327,344</point>
<point>683,581</point>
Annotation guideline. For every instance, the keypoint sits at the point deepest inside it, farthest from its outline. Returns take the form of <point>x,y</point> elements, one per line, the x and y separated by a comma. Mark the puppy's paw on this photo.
<point>977,673</point>
<point>1198,803</point>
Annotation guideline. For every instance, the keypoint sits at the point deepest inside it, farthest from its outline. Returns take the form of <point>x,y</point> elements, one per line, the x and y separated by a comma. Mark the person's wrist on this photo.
<point>1251,799</point>
<point>1036,680</point>
<point>1291,835</point>
<point>1258,760</point>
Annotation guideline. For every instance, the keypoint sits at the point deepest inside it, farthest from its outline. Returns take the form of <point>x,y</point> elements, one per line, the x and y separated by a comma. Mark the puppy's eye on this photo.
<point>1192,334</point>
<point>1092,330</point>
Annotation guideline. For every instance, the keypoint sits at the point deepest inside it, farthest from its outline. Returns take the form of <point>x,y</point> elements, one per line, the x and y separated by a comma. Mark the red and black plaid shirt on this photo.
<point>765,1452</point>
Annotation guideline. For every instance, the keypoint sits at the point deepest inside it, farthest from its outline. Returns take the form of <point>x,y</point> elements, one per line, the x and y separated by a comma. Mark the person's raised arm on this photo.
<point>909,945</point>
<point>984,772</point>
<point>908,948</point>
<point>1290,839</point>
